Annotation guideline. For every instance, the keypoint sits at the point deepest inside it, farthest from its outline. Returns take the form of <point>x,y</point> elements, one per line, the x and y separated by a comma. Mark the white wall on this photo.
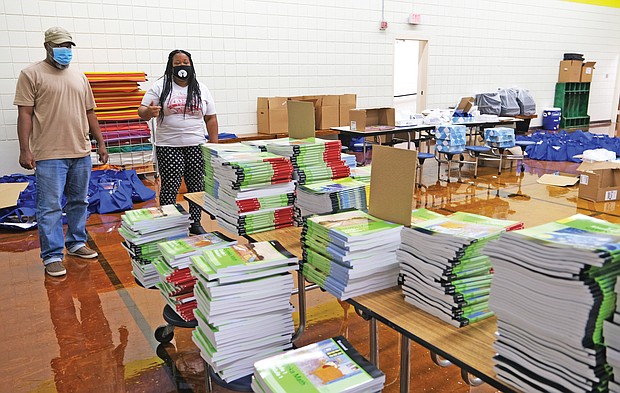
<point>249,48</point>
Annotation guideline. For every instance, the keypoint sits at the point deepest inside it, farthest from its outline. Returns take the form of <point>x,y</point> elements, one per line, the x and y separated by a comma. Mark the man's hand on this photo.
<point>26,160</point>
<point>103,154</point>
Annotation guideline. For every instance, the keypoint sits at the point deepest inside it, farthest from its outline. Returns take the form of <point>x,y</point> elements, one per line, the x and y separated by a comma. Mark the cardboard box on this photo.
<point>570,71</point>
<point>327,112</point>
<point>347,102</point>
<point>272,115</point>
<point>361,119</point>
<point>599,181</point>
<point>586,71</point>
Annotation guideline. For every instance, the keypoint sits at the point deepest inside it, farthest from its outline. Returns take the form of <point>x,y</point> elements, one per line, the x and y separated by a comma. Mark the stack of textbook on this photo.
<point>552,291</point>
<point>444,270</point>
<point>244,312</point>
<point>330,196</point>
<point>350,253</point>
<point>142,229</point>
<point>361,173</point>
<point>255,191</point>
<point>611,333</point>
<point>210,152</point>
<point>331,365</point>
<point>176,282</point>
<point>314,159</point>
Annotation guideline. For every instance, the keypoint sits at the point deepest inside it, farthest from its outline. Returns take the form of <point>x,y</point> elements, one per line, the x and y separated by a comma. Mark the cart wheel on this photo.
<point>164,333</point>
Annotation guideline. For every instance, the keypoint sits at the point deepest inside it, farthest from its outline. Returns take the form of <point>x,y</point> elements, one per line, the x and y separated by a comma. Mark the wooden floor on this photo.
<point>92,331</point>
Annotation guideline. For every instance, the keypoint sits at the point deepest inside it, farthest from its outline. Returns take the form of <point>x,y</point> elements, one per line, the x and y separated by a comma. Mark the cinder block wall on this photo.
<point>249,48</point>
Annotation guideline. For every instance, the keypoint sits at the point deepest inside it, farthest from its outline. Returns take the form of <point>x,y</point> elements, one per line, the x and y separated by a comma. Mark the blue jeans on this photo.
<point>68,176</point>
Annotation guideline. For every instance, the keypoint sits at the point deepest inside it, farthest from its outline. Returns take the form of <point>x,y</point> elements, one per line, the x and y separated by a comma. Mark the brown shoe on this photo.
<point>55,269</point>
<point>84,252</point>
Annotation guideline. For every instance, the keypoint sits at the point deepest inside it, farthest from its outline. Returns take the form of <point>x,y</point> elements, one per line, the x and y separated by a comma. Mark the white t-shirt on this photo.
<point>179,129</point>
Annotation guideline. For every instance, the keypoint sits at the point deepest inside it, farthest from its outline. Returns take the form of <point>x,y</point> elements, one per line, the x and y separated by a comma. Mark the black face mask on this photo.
<point>182,72</point>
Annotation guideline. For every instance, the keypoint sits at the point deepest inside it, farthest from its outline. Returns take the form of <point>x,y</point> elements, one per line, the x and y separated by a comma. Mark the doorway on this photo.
<point>410,60</point>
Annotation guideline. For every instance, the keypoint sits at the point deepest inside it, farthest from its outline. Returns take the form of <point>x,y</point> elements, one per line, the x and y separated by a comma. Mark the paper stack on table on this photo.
<point>244,312</point>
<point>350,253</point>
<point>444,270</point>
<point>143,228</point>
<point>552,290</point>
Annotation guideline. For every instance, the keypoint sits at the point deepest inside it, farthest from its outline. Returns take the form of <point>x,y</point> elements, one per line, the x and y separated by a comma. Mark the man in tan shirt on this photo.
<point>55,120</point>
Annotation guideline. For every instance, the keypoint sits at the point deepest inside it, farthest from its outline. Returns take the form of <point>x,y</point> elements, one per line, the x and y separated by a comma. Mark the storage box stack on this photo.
<point>501,137</point>
<point>350,253</point>
<point>210,152</point>
<point>314,159</point>
<point>253,190</point>
<point>552,289</point>
<point>330,196</point>
<point>244,312</point>
<point>176,282</point>
<point>611,333</point>
<point>445,272</point>
<point>142,229</point>
<point>450,138</point>
<point>332,364</point>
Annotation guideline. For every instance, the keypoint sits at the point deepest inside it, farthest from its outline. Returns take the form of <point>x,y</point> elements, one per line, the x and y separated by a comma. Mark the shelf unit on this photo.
<point>572,98</point>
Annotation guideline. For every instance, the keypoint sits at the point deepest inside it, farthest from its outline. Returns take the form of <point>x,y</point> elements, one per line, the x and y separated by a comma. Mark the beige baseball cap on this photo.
<point>58,35</point>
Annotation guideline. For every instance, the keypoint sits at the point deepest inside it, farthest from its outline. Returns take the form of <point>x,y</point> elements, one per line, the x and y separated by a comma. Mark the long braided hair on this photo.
<point>194,99</point>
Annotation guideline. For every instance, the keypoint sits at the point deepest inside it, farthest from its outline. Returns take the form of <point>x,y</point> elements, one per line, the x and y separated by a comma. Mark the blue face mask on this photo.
<point>62,55</point>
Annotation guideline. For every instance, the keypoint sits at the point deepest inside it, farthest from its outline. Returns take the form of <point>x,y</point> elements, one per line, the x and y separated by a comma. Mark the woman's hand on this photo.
<point>149,112</point>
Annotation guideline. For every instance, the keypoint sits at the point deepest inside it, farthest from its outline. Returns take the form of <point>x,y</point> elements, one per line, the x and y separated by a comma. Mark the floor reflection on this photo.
<point>88,361</point>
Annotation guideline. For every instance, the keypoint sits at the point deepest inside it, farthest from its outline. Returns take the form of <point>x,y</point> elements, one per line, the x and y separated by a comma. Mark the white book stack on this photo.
<point>444,270</point>
<point>210,152</point>
<point>255,192</point>
<point>176,282</point>
<point>142,229</point>
<point>243,312</point>
<point>330,196</point>
<point>314,159</point>
<point>552,290</point>
<point>611,333</point>
<point>350,253</point>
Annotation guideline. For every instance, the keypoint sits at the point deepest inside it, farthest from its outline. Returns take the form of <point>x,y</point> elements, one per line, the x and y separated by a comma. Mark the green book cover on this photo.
<point>192,244</point>
<point>350,224</point>
<point>241,257</point>
<point>329,366</point>
<point>150,213</point>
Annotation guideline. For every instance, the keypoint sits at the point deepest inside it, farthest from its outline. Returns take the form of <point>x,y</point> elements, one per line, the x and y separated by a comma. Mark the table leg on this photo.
<point>405,372</point>
<point>374,342</point>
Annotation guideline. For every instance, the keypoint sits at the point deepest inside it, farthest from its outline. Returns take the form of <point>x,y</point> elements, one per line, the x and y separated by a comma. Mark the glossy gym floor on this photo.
<point>92,330</point>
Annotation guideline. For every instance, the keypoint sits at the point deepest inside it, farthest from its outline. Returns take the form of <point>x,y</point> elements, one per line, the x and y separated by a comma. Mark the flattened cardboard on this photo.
<point>9,193</point>
<point>557,180</point>
<point>300,119</point>
<point>392,181</point>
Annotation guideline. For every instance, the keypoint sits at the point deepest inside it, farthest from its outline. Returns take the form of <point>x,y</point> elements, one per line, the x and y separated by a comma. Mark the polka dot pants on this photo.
<point>176,163</point>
